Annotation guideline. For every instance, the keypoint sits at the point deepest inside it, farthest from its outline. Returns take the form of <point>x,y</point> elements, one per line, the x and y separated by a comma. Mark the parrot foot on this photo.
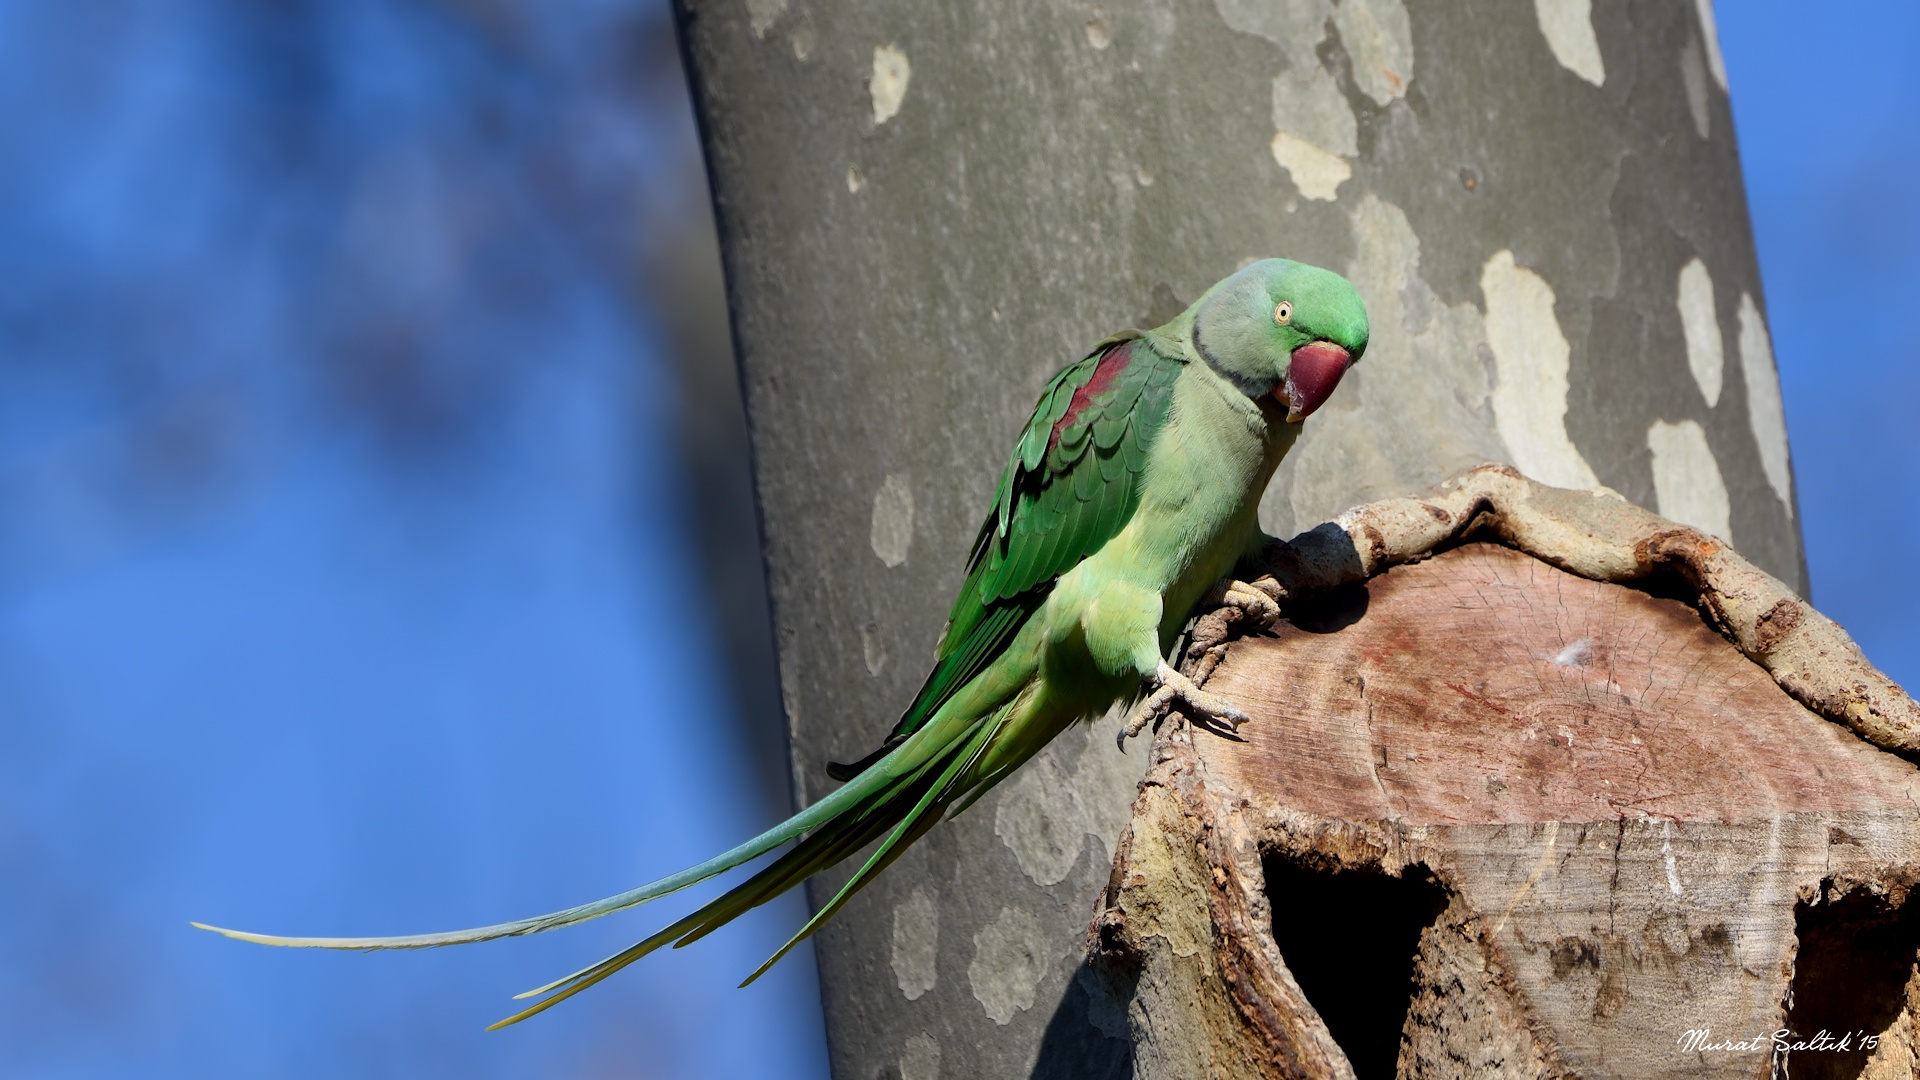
<point>1256,605</point>
<point>1170,689</point>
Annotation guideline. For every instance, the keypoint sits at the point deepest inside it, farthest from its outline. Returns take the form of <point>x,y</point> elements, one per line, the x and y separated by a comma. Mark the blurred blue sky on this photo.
<point>343,559</point>
<point>342,544</point>
<point>1831,160</point>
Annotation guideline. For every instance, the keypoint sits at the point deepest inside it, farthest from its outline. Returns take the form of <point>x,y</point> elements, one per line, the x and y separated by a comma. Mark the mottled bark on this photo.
<point>927,209</point>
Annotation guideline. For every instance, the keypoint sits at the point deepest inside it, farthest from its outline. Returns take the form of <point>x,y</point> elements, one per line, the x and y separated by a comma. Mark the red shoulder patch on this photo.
<point>1112,363</point>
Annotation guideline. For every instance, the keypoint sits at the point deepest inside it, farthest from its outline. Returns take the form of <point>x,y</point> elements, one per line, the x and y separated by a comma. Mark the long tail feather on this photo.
<point>900,799</point>
<point>846,799</point>
<point>586,977</point>
<point>814,854</point>
<point>834,842</point>
<point>764,886</point>
<point>913,825</point>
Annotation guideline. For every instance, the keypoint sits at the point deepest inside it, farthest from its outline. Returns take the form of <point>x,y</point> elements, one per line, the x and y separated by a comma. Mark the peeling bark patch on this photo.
<point>1764,409</point>
<point>891,534</point>
<point>762,14</point>
<point>1417,407</point>
<point>1568,28</point>
<point>1710,36</point>
<point>1040,820</point>
<point>920,1058</point>
<point>1531,358</point>
<point>1009,957</point>
<point>873,649</point>
<point>1105,782</point>
<point>1700,323</point>
<point>1099,32</point>
<point>1316,172</point>
<point>1314,130</point>
<point>1379,38</point>
<point>1046,812</point>
<point>1693,76</point>
<point>1686,478</point>
<point>888,84</point>
<point>916,946</point>
<point>855,181</point>
<point>1309,104</point>
<point>1298,26</point>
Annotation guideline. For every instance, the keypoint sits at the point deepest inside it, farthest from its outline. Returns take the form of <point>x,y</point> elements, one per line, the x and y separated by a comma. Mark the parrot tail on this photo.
<point>900,798</point>
<point>903,812</point>
<point>872,792</point>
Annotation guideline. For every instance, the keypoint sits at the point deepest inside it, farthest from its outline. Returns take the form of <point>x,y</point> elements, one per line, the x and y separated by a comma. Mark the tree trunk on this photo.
<point>927,209</point>
<point>1493,819</point>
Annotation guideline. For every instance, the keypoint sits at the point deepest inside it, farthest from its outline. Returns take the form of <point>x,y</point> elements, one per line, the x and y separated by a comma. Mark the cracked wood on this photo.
<point>1642,812</point>
<point>1487,686</point>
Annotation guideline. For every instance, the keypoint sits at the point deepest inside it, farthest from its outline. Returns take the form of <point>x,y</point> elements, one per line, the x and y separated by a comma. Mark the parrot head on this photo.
<point>1284,329</point>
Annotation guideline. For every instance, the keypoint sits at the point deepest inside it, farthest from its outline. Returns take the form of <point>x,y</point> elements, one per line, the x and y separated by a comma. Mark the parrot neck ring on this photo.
<point>1313,371</point>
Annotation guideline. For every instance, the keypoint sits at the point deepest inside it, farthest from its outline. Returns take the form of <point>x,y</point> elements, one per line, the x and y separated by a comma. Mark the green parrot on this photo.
<point>1131,493</point>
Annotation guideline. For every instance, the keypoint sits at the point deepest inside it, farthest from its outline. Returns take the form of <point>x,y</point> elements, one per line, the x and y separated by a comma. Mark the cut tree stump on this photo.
<point>1494,819</point>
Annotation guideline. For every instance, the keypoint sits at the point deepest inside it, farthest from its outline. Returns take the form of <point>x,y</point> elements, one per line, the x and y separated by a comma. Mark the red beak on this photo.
<point>1313,372</point>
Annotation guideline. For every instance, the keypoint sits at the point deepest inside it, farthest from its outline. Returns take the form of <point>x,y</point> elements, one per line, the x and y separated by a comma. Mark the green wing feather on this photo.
<point>1059,499</point>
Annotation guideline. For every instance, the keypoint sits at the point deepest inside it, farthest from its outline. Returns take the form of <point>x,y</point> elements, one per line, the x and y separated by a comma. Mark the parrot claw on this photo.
<point>1170,689</point>
<point>1255,604</point>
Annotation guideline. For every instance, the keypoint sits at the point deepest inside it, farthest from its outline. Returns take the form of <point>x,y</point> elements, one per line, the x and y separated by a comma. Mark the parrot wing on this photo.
<point>1071,485</point>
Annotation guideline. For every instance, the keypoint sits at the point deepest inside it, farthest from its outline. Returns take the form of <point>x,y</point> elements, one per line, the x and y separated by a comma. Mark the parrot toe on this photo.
<point>1254,604</point>
<point>1173,690</point>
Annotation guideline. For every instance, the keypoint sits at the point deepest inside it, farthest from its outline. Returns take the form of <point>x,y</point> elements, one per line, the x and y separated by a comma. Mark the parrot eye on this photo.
<point>1282,313</point>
